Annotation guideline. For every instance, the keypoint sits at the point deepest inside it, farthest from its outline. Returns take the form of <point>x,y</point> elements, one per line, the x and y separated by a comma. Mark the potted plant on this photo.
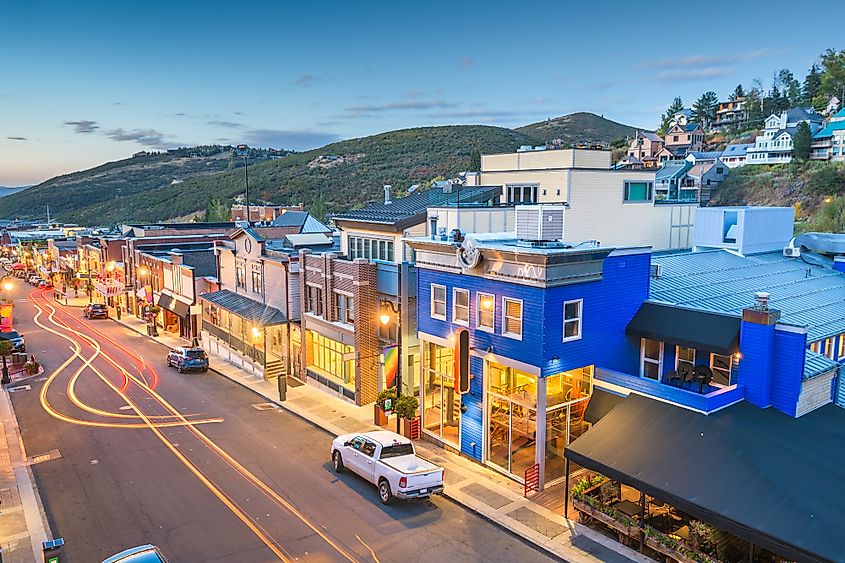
<point>385,403</point>
<point>406,409</point>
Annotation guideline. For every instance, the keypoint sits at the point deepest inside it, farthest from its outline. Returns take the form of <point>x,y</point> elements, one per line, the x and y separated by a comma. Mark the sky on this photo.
<point>82,83</point>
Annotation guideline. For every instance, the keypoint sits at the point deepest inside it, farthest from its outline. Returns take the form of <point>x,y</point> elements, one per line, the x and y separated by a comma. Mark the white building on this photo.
<point>829,143</point>
<point>775,145</point>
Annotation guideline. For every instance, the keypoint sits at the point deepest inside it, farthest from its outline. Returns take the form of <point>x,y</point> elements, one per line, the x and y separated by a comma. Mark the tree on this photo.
<point>754,104</point>
<point>738,93</point>
<point>833,74</point>
<point>790,87</point>
<point>801,142</point>
<point>704,109</point>
<point>216,211</point>
<point>812,83</point>
<point>6,348</point>
<point>677,106</point>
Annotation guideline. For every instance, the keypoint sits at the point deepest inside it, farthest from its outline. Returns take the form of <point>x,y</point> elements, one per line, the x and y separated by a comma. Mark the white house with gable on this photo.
<point>775,145</point>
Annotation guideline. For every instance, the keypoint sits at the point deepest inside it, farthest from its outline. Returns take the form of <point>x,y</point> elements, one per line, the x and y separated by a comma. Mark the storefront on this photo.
<point>441,405</point>
<point>332,360</point>
<point>176,315</point>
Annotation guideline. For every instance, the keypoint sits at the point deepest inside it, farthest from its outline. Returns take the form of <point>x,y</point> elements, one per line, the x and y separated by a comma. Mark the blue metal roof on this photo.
<point>840,113</point>
<point>672,170</point>
<point>829,129</point>
<point>816,364</point>
<point>806,294</point>
<point>737,149</point>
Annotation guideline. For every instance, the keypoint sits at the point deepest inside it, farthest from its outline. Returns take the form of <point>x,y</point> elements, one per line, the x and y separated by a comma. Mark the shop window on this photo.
<point>441,405</point>
<point>572,319</point>
<point>512,415</point>
<point>651,356</point>
<point>460,306</point>
<point>684,356</point>
<point>512,322</point>
<point>438,302</point>
<point>485,304</point>
<point>721,366</point>
<point>344,311</point>
<point>331,358</point>
<point>829,344</point>
<point>314,300</point>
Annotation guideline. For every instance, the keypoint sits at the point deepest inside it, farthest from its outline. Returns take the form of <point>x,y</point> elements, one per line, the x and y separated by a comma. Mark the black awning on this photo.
<point>246,308</point>
<point>174,305</point>
<point>601,403</point>
<point>702,330</point>
<point>756,473</point>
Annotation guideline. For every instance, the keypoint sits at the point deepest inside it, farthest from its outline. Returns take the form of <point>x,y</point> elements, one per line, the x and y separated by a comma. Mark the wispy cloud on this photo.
<point>295,139</point>
<point>468,62</point>
<point>409,105</point>
<point>147,137</point>
<point>708,60</point>
<point>704,73</point>
<point>227,124</point>
<point>480,113</point>
<point>83,126</point>
<point>305,80</point>
<point>16,138</point>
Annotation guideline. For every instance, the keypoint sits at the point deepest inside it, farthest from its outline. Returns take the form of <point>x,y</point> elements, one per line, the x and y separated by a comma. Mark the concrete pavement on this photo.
<point>471,485</point>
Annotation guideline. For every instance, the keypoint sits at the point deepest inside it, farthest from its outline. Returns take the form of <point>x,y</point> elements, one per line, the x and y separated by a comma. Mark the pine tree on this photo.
<point>754,105</point>
<point>801,142</point>
<point>833,74</point>
<point>810,89</point>
<point>790,87</point>
<point>738,93</point>
<point>677,105</point>
<point>704,109</point>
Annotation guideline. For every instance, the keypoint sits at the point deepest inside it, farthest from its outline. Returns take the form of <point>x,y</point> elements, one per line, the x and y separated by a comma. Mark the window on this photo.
<point>438,302</point>
<point>684,356</point>
<point>369,448</point>
<point>369,248</point>
<point>330,357</point>
<point>460,306</point>
<point>638,191</point>
<point>240,273</point>
<point>841,355</point>
<point>651,355</point>
<point>485,305</point>
<point>344,308</point>
<point>572,319</point>
<point>829,346</point>
<point>675,138</point>
<point>721,366</point>
<point>314,300</point>
<point>522,194</point>
<point>720,170</point>
<point>257,286</point>
<point>815,346</point>
<point>512,321</point>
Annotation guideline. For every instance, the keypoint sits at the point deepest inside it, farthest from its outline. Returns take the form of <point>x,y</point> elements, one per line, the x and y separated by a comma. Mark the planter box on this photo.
<point>411,428</point>
<point>379,416</point>
<point>632,532</point>
<point>673,554</point>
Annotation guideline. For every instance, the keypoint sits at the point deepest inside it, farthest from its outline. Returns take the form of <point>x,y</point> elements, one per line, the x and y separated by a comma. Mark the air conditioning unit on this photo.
<point>540,223</point>
<point>792,252</point>
<point>656,270</point>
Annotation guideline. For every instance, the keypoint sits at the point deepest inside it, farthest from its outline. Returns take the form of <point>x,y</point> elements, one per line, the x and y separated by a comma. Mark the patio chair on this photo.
<point>704,375</point>
<point>673,379</point>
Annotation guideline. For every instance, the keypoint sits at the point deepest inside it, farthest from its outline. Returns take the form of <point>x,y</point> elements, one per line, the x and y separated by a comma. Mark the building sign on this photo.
<point>5,317</point>
<point>391,365</point>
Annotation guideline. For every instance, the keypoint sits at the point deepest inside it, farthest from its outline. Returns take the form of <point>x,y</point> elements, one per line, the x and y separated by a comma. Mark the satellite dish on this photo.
<point>468,254</point>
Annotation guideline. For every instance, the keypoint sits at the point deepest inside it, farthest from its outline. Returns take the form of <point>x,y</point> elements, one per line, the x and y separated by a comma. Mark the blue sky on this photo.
<point>87,82</point>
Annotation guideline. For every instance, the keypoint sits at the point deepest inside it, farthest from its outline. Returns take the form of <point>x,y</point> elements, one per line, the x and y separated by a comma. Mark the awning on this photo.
<point>174,304</point>
<point>601,403</point>
<point>254,311</point>
<point>693,328</point>
<point>756,473</point>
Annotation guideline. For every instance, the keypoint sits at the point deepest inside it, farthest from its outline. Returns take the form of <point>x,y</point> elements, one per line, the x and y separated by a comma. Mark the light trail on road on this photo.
<point>156,422</point>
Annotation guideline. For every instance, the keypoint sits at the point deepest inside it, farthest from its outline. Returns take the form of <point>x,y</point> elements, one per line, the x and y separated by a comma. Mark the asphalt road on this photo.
<point>239,484</point>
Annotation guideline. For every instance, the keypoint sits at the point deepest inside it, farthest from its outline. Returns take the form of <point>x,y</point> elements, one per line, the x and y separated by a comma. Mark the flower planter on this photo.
<point>379,415</point>
<point>674,554</point>
<point>606,519</point>
<point>410,428</point>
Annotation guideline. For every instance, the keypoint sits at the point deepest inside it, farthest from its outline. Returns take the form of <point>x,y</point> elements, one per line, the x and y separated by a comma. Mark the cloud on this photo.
<point>295,139</point>
<point>704,73</point>
<point>305,80</point>
<point>16,138</point>
<point>468,62</point>
<point>227,124</point>
<point>707,60</point>
<point>409,105</point>
<point>83,126</point>
<point>147,137</point>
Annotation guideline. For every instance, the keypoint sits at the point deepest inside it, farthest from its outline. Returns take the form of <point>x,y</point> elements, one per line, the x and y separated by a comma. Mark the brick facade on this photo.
<point>356,278</point>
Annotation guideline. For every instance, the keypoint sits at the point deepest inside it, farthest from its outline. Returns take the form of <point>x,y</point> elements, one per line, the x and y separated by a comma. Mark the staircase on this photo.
<point>273,369</point>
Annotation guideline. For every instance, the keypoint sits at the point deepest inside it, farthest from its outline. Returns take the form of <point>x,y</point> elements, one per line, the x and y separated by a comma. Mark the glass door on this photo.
<point>511,419</point>
<point>441,404</point>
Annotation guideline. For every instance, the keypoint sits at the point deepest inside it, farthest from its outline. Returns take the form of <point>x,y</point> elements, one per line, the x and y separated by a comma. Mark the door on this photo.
<point>367,457</point>
<point>352,456</point>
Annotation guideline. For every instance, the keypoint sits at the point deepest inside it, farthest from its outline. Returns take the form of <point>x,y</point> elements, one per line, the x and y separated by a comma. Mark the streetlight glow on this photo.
<point>110,266</point>
<point>255,332</point>
<point>8,286</point>
<point>384,318</point>
<point>143,270</point>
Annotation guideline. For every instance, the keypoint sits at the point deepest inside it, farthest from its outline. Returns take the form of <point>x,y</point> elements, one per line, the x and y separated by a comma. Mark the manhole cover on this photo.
<point>18,388</point>
<point>265,406</point>
<point>52,454</point>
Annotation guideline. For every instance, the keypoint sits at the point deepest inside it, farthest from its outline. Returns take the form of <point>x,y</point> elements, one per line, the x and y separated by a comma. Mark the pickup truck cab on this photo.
<point>388,461</point>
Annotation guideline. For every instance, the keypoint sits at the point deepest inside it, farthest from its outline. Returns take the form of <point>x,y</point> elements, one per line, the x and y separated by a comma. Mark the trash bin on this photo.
<point>149,329</point>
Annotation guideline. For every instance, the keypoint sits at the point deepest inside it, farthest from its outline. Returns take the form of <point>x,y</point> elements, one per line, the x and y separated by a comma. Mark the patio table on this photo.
<point>632,509</point>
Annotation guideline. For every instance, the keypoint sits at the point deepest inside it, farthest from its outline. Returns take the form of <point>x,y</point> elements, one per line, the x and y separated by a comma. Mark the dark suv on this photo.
<point>13,336</point>
<point>184,359</point>
<point>96,311</point>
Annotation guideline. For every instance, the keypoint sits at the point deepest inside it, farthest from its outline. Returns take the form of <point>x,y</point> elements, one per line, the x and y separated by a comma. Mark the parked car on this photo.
<point>186,359</point>
<point>16,338</point>
<point>45,284</point>
<point>33,279</point>
<point>141,554</point>
<point>388,461</point>
<point>96,311</point>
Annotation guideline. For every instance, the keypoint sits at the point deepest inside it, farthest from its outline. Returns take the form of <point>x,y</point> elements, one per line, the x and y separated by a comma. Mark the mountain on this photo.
<point>581,127</point>
<point>332,178</point>
<point>6,190</point>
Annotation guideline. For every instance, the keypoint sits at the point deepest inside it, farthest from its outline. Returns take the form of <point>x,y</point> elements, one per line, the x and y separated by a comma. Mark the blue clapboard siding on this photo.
<point>757,345</point>
<point>472,425</point>
<point>702,402</point>
<point>787,370</point>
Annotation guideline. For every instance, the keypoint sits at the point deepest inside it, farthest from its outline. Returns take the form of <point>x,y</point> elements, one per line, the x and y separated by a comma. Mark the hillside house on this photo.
<point>644,147</point>
<point>775,145</point>
<point>730,113</point>
<point>680,140</point>
<point>735,155</point>
<point>829,143</point>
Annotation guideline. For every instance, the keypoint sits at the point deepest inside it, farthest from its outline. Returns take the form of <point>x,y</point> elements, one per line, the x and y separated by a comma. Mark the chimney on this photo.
<point>387,188</point>
<point>761,301</point>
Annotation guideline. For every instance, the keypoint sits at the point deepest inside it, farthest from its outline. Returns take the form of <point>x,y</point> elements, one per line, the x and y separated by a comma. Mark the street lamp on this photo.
<point>256,333</point>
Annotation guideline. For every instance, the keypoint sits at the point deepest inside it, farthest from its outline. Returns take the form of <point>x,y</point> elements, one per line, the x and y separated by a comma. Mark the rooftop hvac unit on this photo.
<point>539,223</point>
<point>792,252</point>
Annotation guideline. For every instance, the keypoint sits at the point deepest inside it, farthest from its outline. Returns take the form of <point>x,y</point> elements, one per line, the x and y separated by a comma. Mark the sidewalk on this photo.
<point>469,484</point>
<point>22,522</point>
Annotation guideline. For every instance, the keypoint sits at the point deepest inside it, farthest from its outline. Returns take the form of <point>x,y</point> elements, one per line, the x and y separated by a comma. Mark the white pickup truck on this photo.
<point>388,461</point>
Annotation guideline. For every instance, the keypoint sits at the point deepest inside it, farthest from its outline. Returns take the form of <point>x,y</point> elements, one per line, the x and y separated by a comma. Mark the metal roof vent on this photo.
<point>761,301</point>
<point>539,223</point>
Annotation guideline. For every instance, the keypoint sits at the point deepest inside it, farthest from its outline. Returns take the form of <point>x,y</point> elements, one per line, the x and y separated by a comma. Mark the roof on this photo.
<point>700,169</point>
<point>306,222</point>
<point>817,364</point>
<point>672,170</point>
<point>600,403</point>
<point>806,294</point>
<point>794,115</point>
<point>692,328</point>
<point>244,307</point>
<point>756,473</point>
<point>829,129</point>
<point>651,136</point>
<point>705,155</point>
<point>411,209</point>
<point>691,127</point>
<point>736,150</point>
<point>840,113</point>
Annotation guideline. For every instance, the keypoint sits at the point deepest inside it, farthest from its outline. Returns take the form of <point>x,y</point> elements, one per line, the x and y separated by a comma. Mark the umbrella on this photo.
<point>18,266</point>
